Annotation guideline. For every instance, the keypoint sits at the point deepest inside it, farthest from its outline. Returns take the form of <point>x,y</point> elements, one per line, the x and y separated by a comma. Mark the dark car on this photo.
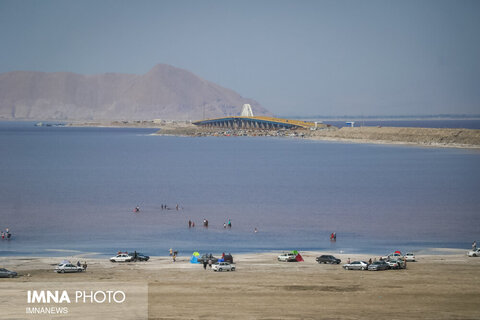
<point>4,273</point>
<point>138,256</point>
<point>328,259</point>
<point>378,265</point>
<point>228,258</point>
<point>207,257</point>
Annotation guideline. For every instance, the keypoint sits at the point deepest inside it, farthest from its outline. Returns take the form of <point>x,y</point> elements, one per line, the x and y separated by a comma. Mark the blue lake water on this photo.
<point>65,188</point>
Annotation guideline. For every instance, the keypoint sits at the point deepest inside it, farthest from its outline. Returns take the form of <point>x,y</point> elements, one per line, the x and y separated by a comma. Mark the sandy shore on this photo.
<point>437,286</point>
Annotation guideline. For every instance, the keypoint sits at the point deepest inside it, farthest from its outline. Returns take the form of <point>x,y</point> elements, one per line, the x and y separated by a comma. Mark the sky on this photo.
<point>296,58</point>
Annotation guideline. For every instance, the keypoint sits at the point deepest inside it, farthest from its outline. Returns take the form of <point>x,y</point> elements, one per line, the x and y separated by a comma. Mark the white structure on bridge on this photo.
<point>247,111</point>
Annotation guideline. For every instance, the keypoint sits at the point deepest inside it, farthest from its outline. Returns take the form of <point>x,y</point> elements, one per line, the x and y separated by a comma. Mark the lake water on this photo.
<point>65,188</point>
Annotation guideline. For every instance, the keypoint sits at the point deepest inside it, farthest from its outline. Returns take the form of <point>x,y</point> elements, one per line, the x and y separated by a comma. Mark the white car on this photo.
<point>393,256</point>
<point>474,253</point>
<point>67,267</point>
<point>410,257</point>
<point>223,266</point>
<point>122,257</point>
<point>287,257</point>
<point>393,264</point>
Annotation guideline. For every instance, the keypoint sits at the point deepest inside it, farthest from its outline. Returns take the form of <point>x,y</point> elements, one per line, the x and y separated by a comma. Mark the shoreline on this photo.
<point>422,137</point>
<point>406,136</point>
<point>62,253</point>
<point>438,286</point>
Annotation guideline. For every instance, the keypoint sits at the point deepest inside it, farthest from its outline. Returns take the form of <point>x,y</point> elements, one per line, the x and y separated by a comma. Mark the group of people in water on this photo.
<point>227,224</point>
<point>191,224</point>
<point>163,206</point>
<point>6,235</point>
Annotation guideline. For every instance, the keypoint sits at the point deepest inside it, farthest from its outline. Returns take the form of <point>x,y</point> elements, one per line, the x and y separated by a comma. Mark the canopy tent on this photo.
<point>298,256</point>
<point>194,258</point>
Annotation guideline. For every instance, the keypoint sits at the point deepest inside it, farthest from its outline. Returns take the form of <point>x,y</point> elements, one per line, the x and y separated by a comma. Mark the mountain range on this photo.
<point>165,92</point>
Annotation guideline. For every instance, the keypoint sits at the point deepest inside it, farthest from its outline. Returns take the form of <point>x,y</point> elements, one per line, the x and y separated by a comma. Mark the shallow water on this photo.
<point>75,188</point>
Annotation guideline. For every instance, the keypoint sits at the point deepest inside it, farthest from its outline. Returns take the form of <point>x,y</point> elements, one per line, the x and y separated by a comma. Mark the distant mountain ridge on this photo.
<point>165,92</point>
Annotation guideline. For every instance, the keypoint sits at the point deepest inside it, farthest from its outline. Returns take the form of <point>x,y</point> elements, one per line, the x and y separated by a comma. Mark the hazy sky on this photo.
<point>294,57</point>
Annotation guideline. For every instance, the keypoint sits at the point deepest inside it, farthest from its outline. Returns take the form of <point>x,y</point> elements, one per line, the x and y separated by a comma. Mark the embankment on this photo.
<point>460,138</point>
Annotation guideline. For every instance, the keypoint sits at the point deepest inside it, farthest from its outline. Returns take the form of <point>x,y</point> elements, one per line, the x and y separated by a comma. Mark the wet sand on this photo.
<point>437,286</point>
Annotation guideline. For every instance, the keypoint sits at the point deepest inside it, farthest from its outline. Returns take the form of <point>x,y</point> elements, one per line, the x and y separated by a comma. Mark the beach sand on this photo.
<point>437,286</point>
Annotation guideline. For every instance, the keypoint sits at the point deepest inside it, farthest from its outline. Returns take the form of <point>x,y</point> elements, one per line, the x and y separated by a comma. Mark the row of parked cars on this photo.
<point>392,261</point>
<point>129,257</point>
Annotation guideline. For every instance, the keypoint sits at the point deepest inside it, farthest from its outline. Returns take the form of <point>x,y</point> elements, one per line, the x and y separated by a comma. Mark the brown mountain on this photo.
<point>164,92</point>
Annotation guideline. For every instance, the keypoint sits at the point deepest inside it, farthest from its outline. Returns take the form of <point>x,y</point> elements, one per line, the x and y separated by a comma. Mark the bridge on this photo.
<point>257,122</point>
<point>247,120</point>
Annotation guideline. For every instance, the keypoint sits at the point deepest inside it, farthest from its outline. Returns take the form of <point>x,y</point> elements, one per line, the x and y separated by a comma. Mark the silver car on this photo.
<point>378,265</point>
<point>67,267</point>
<point>223,266</point>
<point>4,273</point>
<point>356,265</point>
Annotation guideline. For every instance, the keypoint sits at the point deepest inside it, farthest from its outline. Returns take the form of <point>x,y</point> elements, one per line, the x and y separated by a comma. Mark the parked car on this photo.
<point>356,265</point>
<point>138,256</point>
<point>328,259</point>
<point>4,273</point>
<point>378,265</point>
<point>207,257</point>
<point>287,257</point>
<point>122,257</point>
<point>393,264</point>
<point>474,253</point>
<point>228,258</point>
<point>393,256</point>
<point>67,267</point>
<point>410,257</point>
<point>400,262</point>
<point>223,266</point>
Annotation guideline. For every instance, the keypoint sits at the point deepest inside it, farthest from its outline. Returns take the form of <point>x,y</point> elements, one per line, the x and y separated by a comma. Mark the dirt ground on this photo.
<point>435,287</point>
